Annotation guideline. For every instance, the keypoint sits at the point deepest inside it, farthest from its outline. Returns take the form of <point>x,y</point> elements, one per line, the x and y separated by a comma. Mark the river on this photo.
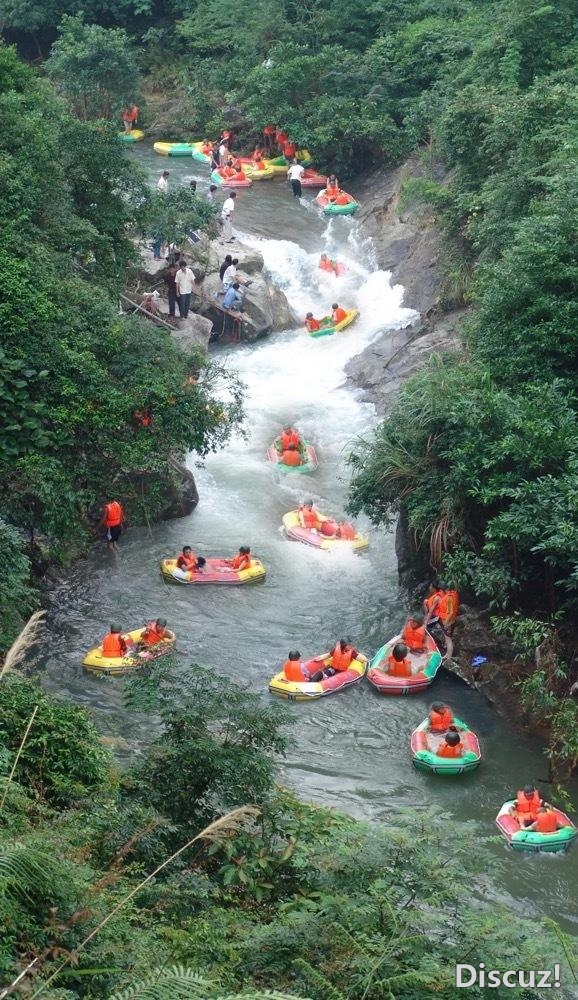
<point>351,751</point>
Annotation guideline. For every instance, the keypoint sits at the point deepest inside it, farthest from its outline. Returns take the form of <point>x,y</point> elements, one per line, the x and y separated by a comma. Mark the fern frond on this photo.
<point>176,982</point>
<point>27,871</point>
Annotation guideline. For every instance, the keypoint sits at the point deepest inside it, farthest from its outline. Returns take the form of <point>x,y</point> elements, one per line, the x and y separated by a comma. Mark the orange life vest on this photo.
<point>440,721</point>
<point>288,438</point>
<point>112,514</point>
<point>227,172</point>
<point>292,670</point>
<point>152,635</point>
<point>446,606</point>
<point>310,518</point>
<point>398,668</point>
<point>448,751</point>
<point>241,561</point>
<point>327,265</point>
<point>312,325</point>
<point>429,603</point>
<point>113,645</point>
<point>291,458</point>
<point>341,660</point>
<point>282,138</point>
<point>187,562</point>
<point>338,315</point>
<point>289,150</point>
<point>269,130</point>
<point>546,822</point>
<point>346,531</point>
<point>240,176</point>
<point>414,638</point>
<point>332,190</point>
<point>528,805</point>
<point>342,199</point>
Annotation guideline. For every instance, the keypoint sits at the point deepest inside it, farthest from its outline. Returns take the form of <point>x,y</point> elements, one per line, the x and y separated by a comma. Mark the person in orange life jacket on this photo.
<point>281,138</point>
<point>288,437</point>
<point>188,563</point>
<point>291,456</point>
<point>206,147</point>
<point>414,634</point>
<point>257,154</point>
<point>112,520</point>
<point>155,632</point>
<point>311,323</point>
<point>440,717</point>
<point>525,808</point>
<point>242,560</point>
<point>451,746</point>
<point>114,645</point>
<point>546,821</point>
<point>398,664</point>
<point>432,621</point>
<point>332,188</point>
<point>289,150</point>
<point>142,418</point>
<point>269,134</point>
<point>293,669</point>
<point>340,656</point>
<point>308,516</point>
<point>337,314</point>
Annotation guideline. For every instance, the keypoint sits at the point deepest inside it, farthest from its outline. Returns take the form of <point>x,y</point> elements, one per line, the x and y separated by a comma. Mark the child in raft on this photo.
<point>293,668</point>
<point>398,664</point>
<point>451,745</point>
<point>413,633</point>
<point>241,561</point>
<point>440,717</point>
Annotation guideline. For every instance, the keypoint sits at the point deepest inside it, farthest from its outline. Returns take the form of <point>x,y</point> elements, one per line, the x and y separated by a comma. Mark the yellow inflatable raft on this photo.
<point>317,539</point>
<point>116,665</point>
<point>310,690</point>
<point>218,571</point>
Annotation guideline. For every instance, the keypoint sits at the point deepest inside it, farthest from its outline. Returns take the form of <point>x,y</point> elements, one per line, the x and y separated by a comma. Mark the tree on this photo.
<point>94,67</point>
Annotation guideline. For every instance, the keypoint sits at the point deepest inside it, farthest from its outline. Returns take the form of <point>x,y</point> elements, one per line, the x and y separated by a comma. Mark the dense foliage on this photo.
<point>72,371</point>
<point>297,898</point>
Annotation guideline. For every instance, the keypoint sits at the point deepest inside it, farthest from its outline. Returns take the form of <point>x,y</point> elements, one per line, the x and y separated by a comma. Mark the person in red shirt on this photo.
<point>112,520</point>
<point>451,746</point>
<point>337,314</point>
<point>311,323</point>
<point>269,134</point>
<point>546,821</point>
<point>188,563</point>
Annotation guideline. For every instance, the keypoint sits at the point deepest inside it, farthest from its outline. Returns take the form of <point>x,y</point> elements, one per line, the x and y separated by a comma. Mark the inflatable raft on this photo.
<point>197,153</point>
<point>310,690</point>
<point>424,746</point>
<point>173,148</point>
<point>262,173</point>
<point>529,840</point>
<point>129,137</point>
<point>424,669</point>
<point>311,179</point>
<point>328,330</point>
<point>332,208</point>
<point>230,182</point>
<point>216,571</point>
<point>307,466</point>
<point>315,538</point>
<point>116,665</point>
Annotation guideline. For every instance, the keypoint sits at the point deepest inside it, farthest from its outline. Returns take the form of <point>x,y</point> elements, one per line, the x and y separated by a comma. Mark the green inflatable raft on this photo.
<point>424,745</point>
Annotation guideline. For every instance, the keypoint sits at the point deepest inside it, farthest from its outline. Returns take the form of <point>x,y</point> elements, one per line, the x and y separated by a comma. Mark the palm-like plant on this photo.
<point>177,982</point>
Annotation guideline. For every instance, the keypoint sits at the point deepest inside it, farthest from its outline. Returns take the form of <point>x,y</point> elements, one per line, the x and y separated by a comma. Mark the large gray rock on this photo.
<point>193,331</point>
<point>265,309</point>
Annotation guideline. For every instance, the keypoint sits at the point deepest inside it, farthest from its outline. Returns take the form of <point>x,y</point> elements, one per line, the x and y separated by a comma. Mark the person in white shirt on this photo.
<point>227,217</point>
<point>184,281</point>
<point>223,154</point>
<point>163,184</point>
<point>295,173</point>
<point>230,274</point>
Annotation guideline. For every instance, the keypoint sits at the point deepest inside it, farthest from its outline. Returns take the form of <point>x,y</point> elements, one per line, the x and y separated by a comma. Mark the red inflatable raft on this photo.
<point>424,668</point>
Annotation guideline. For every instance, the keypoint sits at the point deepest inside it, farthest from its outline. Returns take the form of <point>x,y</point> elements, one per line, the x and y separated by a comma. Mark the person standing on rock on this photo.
<point>184,281</point>
<point>227,217</point>
<point>295,175</point>
<point>169,278</point>
<point>210,195</point>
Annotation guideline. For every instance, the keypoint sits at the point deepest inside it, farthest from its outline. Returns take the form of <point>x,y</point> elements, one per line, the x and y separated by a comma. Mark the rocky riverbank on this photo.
<point>408,243</point>
<point>265,309</point>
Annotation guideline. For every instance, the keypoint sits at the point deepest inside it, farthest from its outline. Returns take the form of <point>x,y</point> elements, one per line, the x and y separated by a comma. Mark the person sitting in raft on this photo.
<point>327,264</point>
<point>340,656</point>
<point>308,516</point>
<point>155,632</point>
<point>546,821</point>
<point>398,664</point>
<point>188,563</point>
<point>332,188</point>
<point>291,456</point>
<point>288,437</point>
<point>206,147</point>
<point>440,717</point>
<point>414,633</point>
<point>337,314</point>
<point>525,808</point>
<point>451,746</point>
<point>242,560</point>
<point>114,645</point>
<point>293,668</point>
<point>346,531</point>
<point>311,323</point>
<point>257,154</point>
